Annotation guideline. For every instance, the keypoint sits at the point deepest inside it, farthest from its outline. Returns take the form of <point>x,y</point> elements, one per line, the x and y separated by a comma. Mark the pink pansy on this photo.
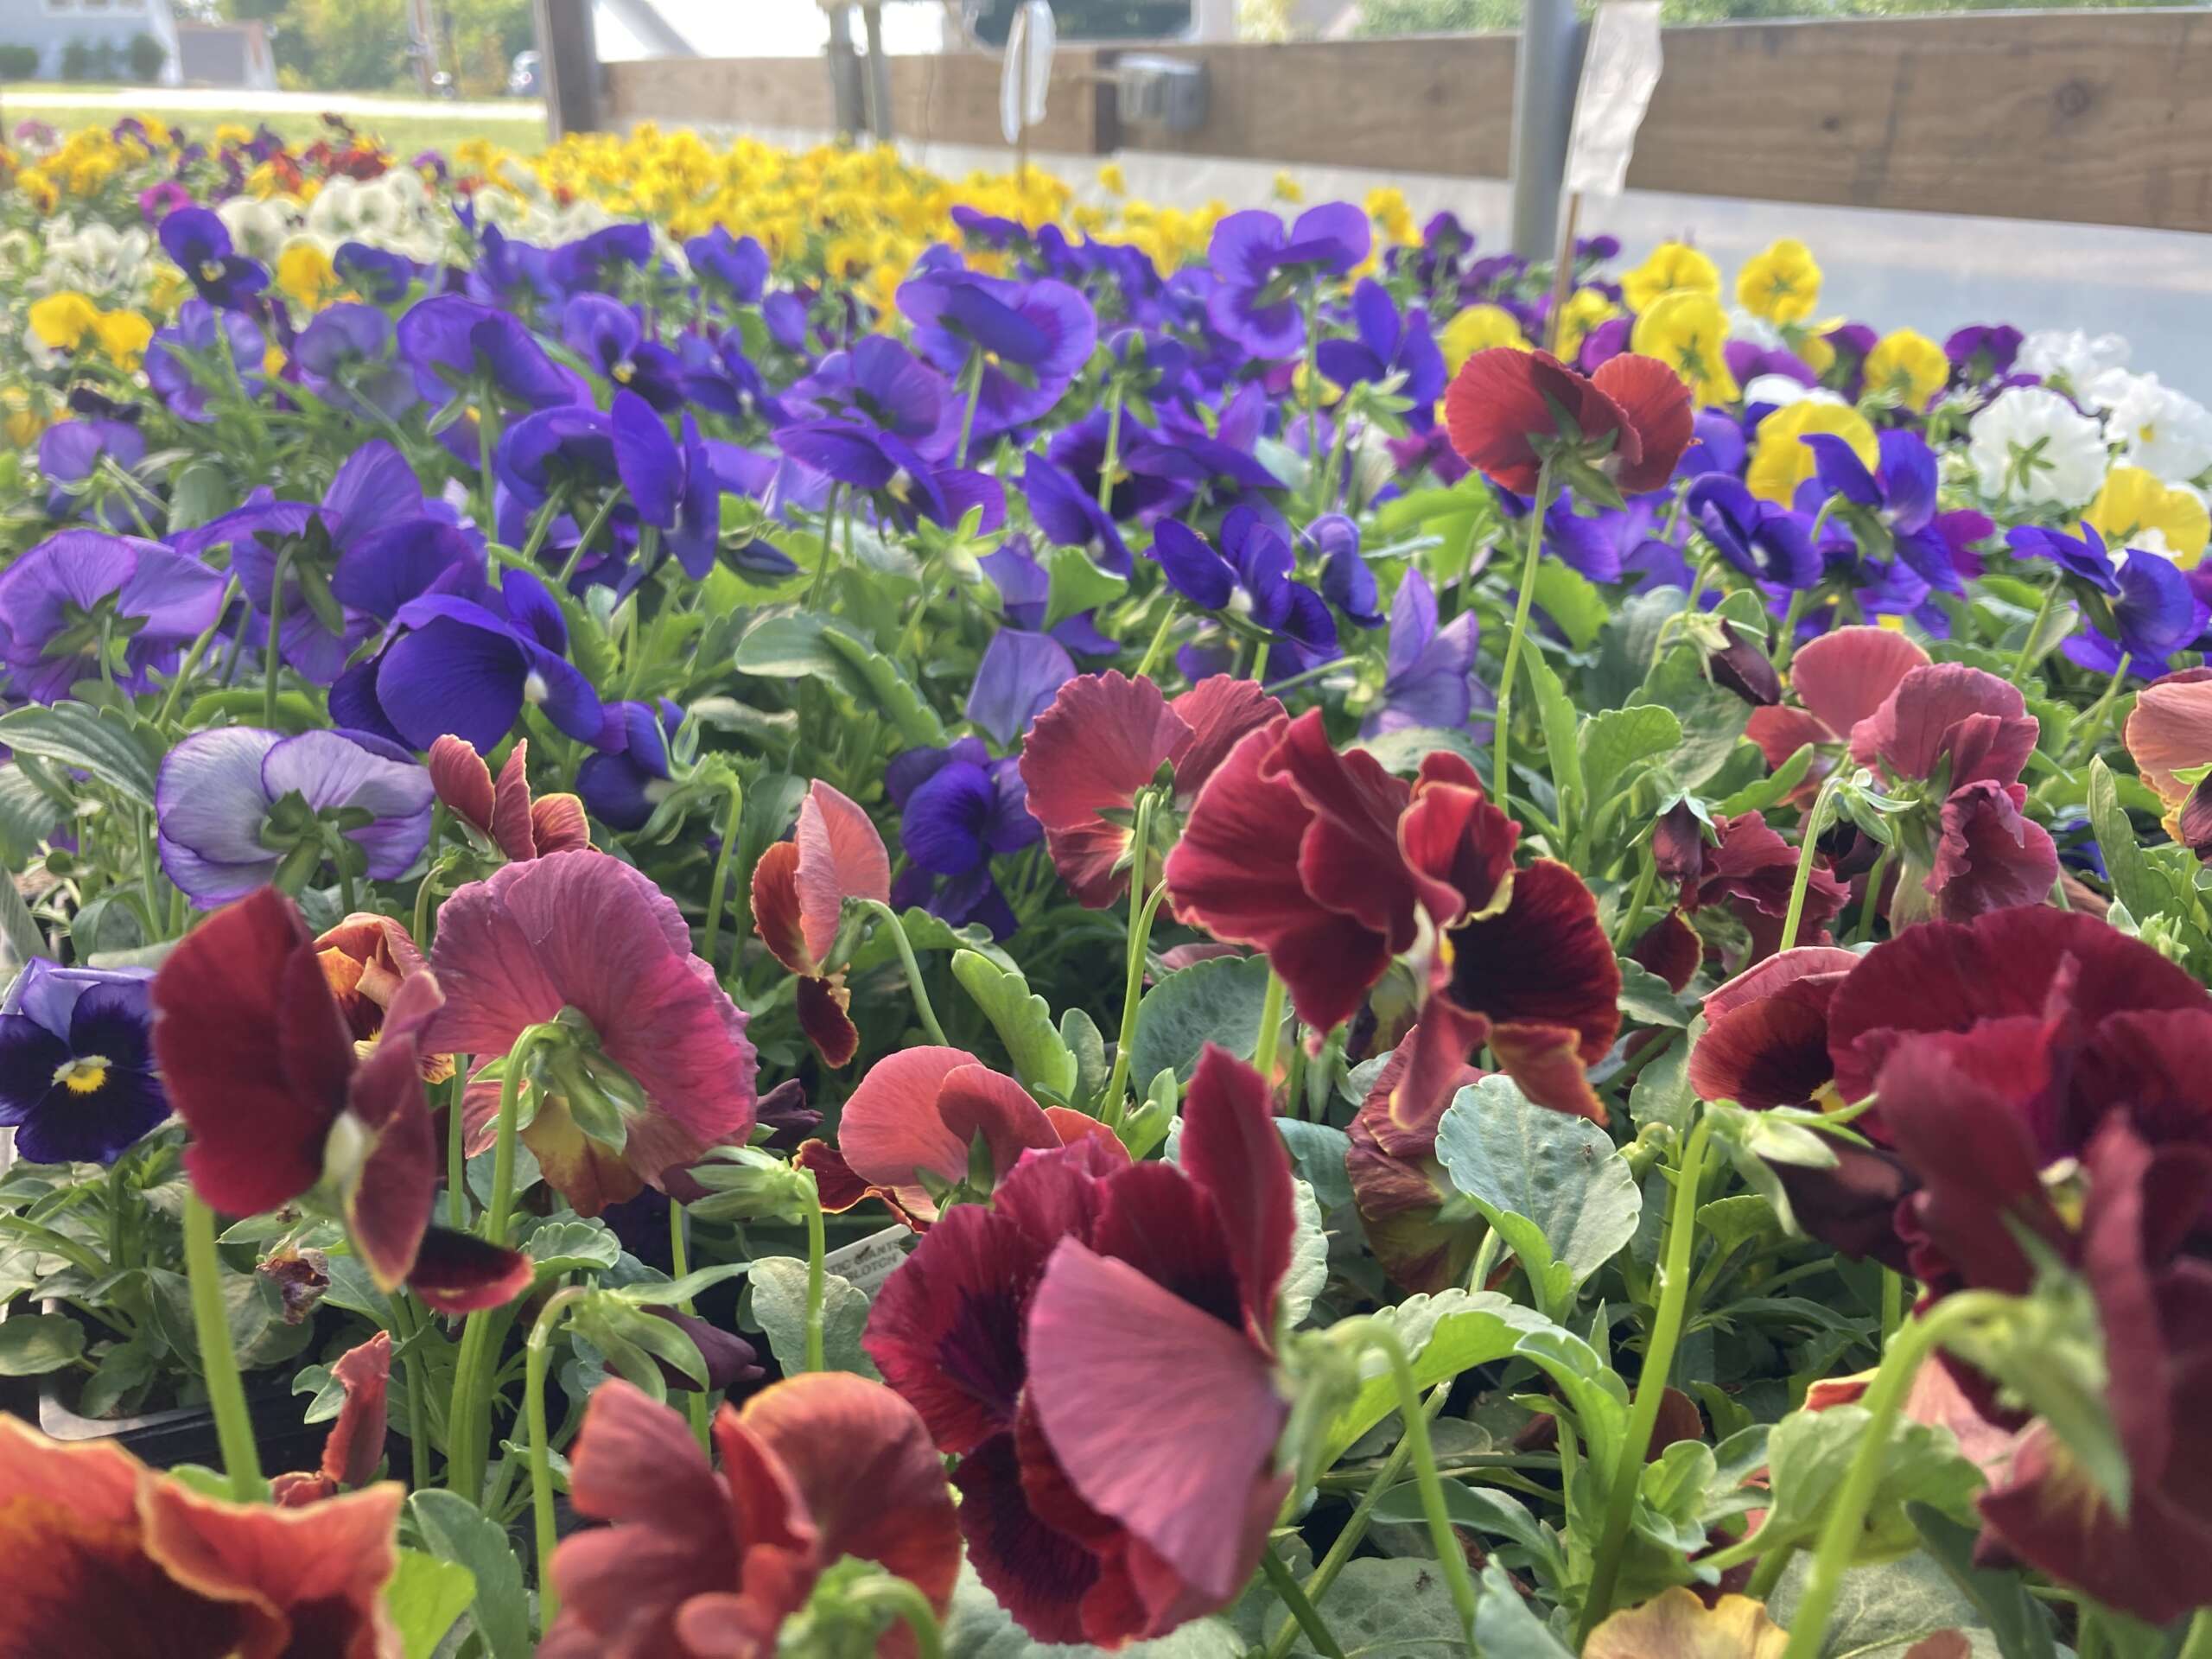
<point>800,889</point>
<point>583,932</point>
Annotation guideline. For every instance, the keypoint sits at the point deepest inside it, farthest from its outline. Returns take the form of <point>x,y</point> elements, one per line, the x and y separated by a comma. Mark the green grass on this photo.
<point>405,136</point>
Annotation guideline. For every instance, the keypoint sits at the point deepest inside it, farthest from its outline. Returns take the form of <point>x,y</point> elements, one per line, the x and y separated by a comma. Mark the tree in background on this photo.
<point>361,45</point>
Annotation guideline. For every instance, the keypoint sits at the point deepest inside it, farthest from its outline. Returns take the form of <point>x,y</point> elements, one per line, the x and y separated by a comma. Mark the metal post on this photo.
<point>845,94</point>
<point>879,75</point>
<point>569,59</point>
<point>1545,72</point>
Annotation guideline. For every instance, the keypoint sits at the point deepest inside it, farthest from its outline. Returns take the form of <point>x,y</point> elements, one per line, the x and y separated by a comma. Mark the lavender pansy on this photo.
<point>1428,679</point>
<point>1261,271</point>
<point>84,603</point>
<point>1020,675</point>
<point>206,347</point>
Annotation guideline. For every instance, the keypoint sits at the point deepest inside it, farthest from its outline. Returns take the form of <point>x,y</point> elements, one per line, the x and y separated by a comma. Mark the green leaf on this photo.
<point>32,1344</point>
<point>1401,751</point>
<point>1650,998</point>
<point>803,645</point>
<point>1380,1606</point>
<point>1572,600</point>
<point>1561,1172</point>
<point>199,493</point>
<point>1809,1451</point>
<point>780,1307</point>
<point>2123,855</point>
<point>1662,1093</point>
<point>424,1598</point>
<point>1023,1021</point>
<point>455,1530</point>
<point>89,739</point>
<point>893,693</point>
<point>1506,1627</point>
<point>1308,1273</point>
<point>1217,1001</point>
<point>2021,1627</point>
<point>19,933</point>
<point>1712,717</point>
<point>1088,1044</point>
<point>1740,1218</point>
<point>1618,742</point>
<point>28,816</point>
<point>977,1627</point>
<point>924,933</point>
<point>1079,585</point>
<point>123,1368</point>
<point>1555,711</point>
<point>572,1245</point>
<point>1759,796</point>
<point>1882,1611</point>
<point>1481,1509</point>
<point>1317,1154</point>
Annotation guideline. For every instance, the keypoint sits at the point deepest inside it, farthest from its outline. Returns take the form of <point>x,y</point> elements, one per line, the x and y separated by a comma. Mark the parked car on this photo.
<point>527,78</point>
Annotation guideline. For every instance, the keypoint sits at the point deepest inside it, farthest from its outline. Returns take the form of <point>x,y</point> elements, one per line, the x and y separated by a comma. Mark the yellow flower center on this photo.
<point>83,1076</point>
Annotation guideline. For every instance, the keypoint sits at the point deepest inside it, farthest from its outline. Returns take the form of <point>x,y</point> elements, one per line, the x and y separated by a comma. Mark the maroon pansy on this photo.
<point>799,890</point>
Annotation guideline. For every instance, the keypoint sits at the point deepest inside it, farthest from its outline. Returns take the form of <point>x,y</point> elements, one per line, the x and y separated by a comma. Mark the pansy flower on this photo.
<point>366,959</point>
<point>453,342</point>
<point>599,262</point>
<point>1400,1188</point>
<point>1894,501</point>
<point>1024,596</point>
<point>700,1564</point>
<point>347,357</point>
<point>656,1067</point>
<point>630,775</point>
<point>202,346</point>
<point>1068,515</point>
<point>1105,738</point>
<point>2168,731</point>
<point>1260,271</point>
<point>77,1081</point>
<point>958,808</point>
<point>503,813</point>
<point>2138,603</point>
<point>110,1557</point>
<point>78,459</point>
<point>1428,669</point>
<point>1250,579</point>
<point>1626,425</point>
<point>84,603</point>
<point>609,338</point>
<point>199,242</point>
<point>738,265</point>
<point>1097,1508</point>
<point>1386,344</point>
<point>1347,582</point>
<point>1770,544</point>
<point>799,890</point>
<point>260,1063</point>
<point>673,486</point>
<point>239,808</point>
<point>1031,338</point>
<point>354,1447</point>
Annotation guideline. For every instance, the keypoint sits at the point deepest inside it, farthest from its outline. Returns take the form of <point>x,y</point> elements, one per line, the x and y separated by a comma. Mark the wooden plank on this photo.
<point>786,94</point>
<point>2095,117</point>
<point>1420,105</point>
<point>953,98</point>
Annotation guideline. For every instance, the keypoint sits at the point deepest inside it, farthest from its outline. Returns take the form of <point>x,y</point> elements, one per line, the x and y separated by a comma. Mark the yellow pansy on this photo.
<point>2135,508</point>
<point>1113,180</point>
<point>1477,329</point>
<point>168,290</point>
<point>1814,351</point>
<point>1392,215</point>
<point>1688,331</point>
<point>273,361</point>
<point>1906,367</point>
<point>63,321</point>
<point>39,190</point>
<point>1673,267</point>
<point>124,336</point>
<point>1780,460</point>
<point>306,277</point>
<point>1585,310</point>
<point>1782,285</point>
<point>21,421</point>
<point>1286,189</point>
<point>230,133</point>
<point>1677,1625</point>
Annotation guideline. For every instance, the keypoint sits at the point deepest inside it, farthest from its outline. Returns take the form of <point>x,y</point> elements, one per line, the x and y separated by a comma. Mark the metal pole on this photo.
<point>569,59</point>
<point>844,73</point>
<point>878,75</point>
<point>1545,72</point>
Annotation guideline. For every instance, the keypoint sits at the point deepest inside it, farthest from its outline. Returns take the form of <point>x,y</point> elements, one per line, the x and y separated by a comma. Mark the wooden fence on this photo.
<point>2090,117</point>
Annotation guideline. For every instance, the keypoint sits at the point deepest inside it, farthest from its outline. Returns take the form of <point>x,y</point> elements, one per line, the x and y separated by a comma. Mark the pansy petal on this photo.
<point>457,1273</point>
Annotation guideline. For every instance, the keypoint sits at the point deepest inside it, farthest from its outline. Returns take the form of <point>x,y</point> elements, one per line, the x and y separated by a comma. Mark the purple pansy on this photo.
<point>1346,581</point>
<point>1428,676</point>
<point>608,336</point>
<point>599,262</point>
<point>958,808</point>
<point>1025,596</point>
<point>199,242</point>
<point>455,344</point>
<point>629,777</point>
<point>345,358</point>
<point>77,1077</point>
<point>240,808</point>
<point>2152,607</point>
<point>1020,675</point>
<point>1031,340</point>
<point>1251,578</point>
<point>83,591</point>
<point>1897,499</point>
<point>1069,515</point>
<point>1767,543</point>
<point>1386,344</point>
<point>69,456</point>
<point>673,486</point>
<point>197,338</point>
<point>737,266</point>
<point>1262,273</point>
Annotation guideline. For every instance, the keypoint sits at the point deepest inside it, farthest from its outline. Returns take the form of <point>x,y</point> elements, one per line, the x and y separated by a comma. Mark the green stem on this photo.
<point>409,1323</point>
<point>189,663</point>
<point>1153,652</point>
<point>1870,907</point>
<point>828,548</point>
<point>542,526</point>
<point>1285,1585</point>
<point>2027,655</point>
<point>219,1362</point>
<point>1355,1529</point>
<point>271,658</point>
<point>488,516</point>
<point>1632,918</point>
<point>1650,1383</point>
<point>1501,779</point>
<point>1767,1574</point>
<point>898,1597</point>
<point>973,377</point>
<point>679,1264</point>
<point>1785,641</point>
<point>1841,1531</point>
<point>1263,1052</point>
<point>2087,729</point>
<point>538,1358</point>
<point>1892,1304</point>
<point>1110,1112</point>
<point>583,542</point>
<point>1113,448</point>
<point>922,1008</point>
<point>732,830</point>
<point>1449,1556</point>
<point>816,1280</point>
<point>1809,849</point>
<point>2198,1644</point>
<point>457,1149</point>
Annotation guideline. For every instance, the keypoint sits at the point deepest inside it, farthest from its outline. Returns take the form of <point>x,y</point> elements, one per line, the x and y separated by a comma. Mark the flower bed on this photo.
<point>894,916</point>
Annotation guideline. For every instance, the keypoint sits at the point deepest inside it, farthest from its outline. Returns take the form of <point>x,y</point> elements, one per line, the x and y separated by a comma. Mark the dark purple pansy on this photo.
<point>736,266</point>
<point>467,668</point>
<point>509,276</point>
<point>1388,344</point>
<point>379,275</point>
<point>345,357</point>
<point>629,777</point>
<point>673,486</point>
<point>611,339</point>
<point>455,344</point>
<point>199,242</point>
<point>1031,338</point>
<point>958,808</point>
<point>1768,542</point>
<point>206,347</point>
<point>1251,578</point>
<point>83,597</point>
<point>1896,501</point>
<point>77,1079</point>
<point>600,262</point>
<point>2156,613</point>
<point>1982,352</point>
<point>1261,271</point>
<point>240,808</point>
<point>879,383</point>
<point>1069,515</point>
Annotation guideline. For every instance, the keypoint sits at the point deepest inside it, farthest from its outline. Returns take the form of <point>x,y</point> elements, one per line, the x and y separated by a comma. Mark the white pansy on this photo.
<point>2160,429</point>
<point>258,229</point>
<point>2071,355</point>
<point>2030,445</point>
<point>107,265</point>
<point>1781,390</point>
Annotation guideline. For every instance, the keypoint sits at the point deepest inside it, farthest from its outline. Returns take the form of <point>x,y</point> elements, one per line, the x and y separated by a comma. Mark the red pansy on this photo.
<point>1504,409</point>
<point>800,889</point>
<point>503,813</point>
